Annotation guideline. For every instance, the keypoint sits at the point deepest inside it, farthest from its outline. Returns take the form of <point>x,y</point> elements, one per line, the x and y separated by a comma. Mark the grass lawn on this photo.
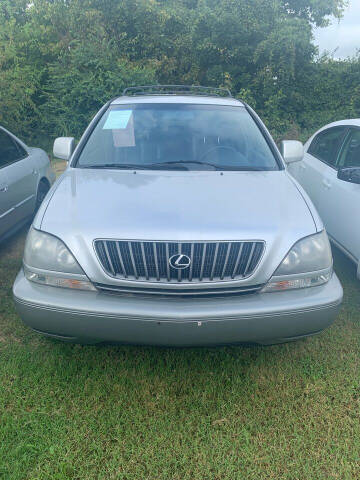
<point>103,412</point>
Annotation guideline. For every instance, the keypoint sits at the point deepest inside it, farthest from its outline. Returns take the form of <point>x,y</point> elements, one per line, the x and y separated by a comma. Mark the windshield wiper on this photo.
<point>120,166</point>
<point>207,164</point>
<point>183,164</point>
<point>178,165</point>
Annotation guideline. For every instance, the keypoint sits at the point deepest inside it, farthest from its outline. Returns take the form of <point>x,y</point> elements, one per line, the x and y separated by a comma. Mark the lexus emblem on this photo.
<point>179,261</point>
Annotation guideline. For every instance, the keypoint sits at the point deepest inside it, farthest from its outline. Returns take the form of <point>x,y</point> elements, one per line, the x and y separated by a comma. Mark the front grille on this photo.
<point>149,261</point>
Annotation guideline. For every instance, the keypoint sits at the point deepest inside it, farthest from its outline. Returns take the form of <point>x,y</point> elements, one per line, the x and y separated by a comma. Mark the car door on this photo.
<point>21,179</point>
<point>340,200</point>
<point>5,205</point>
<point>319,163</point>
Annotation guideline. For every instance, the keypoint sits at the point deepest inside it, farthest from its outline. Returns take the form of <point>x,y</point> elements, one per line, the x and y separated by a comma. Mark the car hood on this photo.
<point>176,206</point>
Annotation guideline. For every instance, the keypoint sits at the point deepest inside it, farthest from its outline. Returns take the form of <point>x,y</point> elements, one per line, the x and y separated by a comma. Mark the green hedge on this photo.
<point>60,60</point>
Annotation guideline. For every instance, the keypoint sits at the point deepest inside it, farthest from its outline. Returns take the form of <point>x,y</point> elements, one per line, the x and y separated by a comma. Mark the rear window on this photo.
<point>177,136</point>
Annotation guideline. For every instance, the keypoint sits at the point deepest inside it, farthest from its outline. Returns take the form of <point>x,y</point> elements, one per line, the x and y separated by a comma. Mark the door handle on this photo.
<point>326,183</point>
<point>34,172</point>
<point>4,188</point>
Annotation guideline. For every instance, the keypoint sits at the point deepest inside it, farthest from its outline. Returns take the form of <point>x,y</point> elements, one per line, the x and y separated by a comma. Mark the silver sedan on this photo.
<point>25,178</point>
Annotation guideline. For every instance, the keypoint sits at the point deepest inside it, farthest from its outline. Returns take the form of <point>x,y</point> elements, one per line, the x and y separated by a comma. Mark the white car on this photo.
<point>25,178</point>
<point>330,174</point>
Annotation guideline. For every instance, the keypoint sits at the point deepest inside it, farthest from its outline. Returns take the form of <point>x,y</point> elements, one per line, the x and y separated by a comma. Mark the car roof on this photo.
<point>350,121</point>
<point>184,99</point>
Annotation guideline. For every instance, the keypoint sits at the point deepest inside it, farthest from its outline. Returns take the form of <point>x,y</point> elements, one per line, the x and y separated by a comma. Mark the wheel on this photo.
<point>43,188</point>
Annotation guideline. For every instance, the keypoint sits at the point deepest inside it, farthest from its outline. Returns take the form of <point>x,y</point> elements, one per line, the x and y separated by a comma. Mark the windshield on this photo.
<point>177,137</point>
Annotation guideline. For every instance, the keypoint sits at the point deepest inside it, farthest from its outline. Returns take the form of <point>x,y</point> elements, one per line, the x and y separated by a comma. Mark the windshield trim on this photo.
<point>87,133</point>
<point>267,136</point>
<point>258,122</point>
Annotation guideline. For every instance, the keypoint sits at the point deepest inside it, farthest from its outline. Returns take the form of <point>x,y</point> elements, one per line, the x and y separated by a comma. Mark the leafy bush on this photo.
<point>60,60</point>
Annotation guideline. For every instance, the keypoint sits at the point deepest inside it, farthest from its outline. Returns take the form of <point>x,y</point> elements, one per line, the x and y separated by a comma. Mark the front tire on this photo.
<point>43,188</point>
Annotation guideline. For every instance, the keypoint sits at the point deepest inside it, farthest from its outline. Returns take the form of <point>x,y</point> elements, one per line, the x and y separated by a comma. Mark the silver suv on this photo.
<point>177,223</point>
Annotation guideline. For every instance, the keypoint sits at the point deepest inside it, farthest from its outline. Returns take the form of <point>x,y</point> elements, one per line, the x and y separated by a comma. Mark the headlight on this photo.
<point>48,261</point>
<point>308,264</point>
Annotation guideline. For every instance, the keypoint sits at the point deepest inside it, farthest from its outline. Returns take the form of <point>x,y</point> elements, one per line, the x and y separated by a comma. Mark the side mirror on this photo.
<point>291,151</point>
<point>349,174</point>
<point>64,147</point>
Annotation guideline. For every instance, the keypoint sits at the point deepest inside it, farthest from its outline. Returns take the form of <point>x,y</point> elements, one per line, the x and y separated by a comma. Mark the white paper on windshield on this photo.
<point>124,137</point>
<point>117,119</point>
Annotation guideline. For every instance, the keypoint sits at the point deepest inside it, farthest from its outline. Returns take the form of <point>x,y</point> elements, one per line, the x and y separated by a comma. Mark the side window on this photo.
<point>326,145</point>
<point>350,155</point>
<point>22,152</point>
<point>9,150</point>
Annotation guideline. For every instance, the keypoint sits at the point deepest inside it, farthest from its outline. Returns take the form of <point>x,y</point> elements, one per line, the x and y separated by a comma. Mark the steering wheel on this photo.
<point>217,147</point>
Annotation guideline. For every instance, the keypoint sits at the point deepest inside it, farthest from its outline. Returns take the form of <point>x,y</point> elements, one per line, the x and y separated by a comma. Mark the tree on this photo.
<point>61,59</point>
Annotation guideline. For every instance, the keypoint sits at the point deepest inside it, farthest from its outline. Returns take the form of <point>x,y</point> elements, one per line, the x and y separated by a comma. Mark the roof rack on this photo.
<point>177,90</point>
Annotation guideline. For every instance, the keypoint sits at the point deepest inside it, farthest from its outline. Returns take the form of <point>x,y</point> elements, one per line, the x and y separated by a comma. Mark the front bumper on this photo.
<point>92,317</point>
